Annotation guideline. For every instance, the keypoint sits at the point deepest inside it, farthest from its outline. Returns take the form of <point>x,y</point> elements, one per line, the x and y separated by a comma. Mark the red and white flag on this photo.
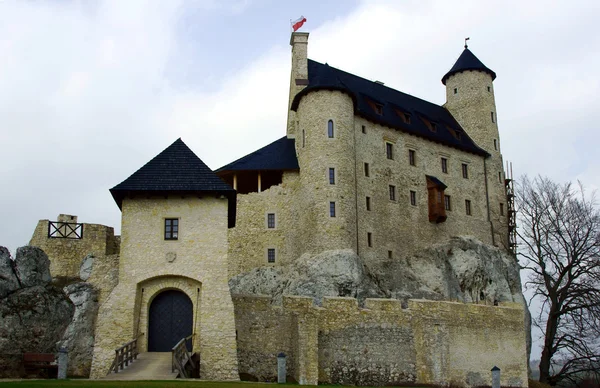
<point>296,24</point>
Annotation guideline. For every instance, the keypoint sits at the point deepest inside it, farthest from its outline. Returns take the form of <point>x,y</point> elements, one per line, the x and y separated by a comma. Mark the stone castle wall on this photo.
<point>195,263</point>
<point>66,254</point>
<point>430,342</point>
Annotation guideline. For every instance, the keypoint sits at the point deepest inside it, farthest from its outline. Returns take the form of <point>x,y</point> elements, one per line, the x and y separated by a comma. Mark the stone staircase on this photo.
<point>147,366</point>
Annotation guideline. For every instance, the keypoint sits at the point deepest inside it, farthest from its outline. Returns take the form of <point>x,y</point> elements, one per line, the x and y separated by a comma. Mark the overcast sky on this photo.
<point>90,91</point>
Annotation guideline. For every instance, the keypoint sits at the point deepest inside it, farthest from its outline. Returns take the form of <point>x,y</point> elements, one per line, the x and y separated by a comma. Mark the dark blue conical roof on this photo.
<point>468,61</point>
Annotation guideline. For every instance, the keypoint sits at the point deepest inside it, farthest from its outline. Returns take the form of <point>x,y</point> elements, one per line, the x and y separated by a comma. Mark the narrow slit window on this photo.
<point>368,203</point>
<point>271,255</point>
<point>171,228</point>
<point>364,129</point>
<point>455,90</point>
<point>389,150</point>
<point>331,209</point>
<point>369,239</point>
<point>493,118</point>
<point>489,88</point>
<point>499,177</point>
<point>366,169</point>
<point>303,138</point>
<point>447,202</point>
<point>390,255</point>
<point>271,220</point>
<point>330,132</point>
<point>445,165</point>
<point>468,207</point>
<point>331,176</point>
<point>465,171</point>
<point>392,193</point>
<point>501,209</point>
<point>495,144</point>
<point>412,157</point>
<point>413,198</point>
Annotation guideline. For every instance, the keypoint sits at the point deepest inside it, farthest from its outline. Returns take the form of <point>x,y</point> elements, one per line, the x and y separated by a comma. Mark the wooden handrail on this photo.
<point>125,355</point>
<point>181,356</point>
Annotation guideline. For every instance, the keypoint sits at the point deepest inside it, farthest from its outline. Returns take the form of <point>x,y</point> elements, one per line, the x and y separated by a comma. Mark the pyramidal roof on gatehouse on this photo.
<point>176,170</point>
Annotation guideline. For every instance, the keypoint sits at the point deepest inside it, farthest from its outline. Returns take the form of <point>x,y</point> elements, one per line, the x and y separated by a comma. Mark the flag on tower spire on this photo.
<point>296,24</point>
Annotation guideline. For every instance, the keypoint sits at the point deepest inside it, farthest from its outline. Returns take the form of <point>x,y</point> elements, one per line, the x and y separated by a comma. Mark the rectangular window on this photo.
<point>500,177</point>
<point>271,220</point>
<point>368,203</point>
<point>495,144</point>
<point>489,88</point>
<point>413,198</point>
<point>271,255</point>
<point>331,209</point>
<point>412,160</point>
<point>369,239</point>
<point>364,129</point>
<point>445,165</point>
<point>392,193</point>
<point>455,90</point>
<point>465,170</point>
<point>171,228</point>
<point>330,129</point>
<point>389,150</point>
<point>493,119</point>
<point>331,176</point>
<point>447,203</point>
<point>390,255</point>
<point>468,207</point>
<point>366,169</point>
<point>501,209</point>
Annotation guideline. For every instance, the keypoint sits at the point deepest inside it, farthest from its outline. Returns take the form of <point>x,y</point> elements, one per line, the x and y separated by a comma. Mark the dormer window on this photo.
<point>430,124</point>
<point>403,115</point>
<point>379,109</point>
<point>454,132</point>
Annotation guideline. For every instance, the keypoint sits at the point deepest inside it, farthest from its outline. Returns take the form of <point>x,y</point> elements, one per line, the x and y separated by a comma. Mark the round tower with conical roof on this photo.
<point>470,99</point>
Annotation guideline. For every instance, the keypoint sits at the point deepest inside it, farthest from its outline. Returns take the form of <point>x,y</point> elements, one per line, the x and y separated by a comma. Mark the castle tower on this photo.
<point>322,122</point>
<point>470,99</point>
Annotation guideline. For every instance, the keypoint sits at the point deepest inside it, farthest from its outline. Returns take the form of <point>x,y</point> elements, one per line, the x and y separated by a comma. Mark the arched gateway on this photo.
<point>169,320</point>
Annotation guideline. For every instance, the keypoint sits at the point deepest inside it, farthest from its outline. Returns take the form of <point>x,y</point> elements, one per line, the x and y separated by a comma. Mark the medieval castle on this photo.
<point>363,168</point>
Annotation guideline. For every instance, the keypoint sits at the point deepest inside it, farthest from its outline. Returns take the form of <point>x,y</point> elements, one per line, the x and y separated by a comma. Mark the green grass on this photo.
<point>134,384</point>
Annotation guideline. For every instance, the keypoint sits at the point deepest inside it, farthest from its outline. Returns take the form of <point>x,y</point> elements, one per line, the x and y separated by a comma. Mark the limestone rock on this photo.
<point>330,273</point>
<point>85,269</point>
<point>8,279</point>
<point>78,338</point>
<point>32,267</point>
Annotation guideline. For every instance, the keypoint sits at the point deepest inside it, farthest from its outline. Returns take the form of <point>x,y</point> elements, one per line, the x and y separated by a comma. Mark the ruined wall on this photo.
<point>66,254</point>
<point>430,342</point>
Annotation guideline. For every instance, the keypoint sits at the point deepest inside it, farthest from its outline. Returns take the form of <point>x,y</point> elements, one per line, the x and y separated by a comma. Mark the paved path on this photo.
<point>148,366</point>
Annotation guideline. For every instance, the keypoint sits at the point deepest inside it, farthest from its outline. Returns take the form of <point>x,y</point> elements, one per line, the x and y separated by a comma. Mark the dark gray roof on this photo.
<point>394,104</point>
<point>279,155</point>
<point>176,170</point>
<point>468,61</point>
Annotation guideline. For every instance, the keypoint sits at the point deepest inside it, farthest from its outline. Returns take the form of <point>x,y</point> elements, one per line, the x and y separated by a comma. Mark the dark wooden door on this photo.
<point>171,319</point>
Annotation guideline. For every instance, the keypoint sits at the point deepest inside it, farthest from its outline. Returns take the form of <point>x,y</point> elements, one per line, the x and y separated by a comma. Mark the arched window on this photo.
<point>330,129</point>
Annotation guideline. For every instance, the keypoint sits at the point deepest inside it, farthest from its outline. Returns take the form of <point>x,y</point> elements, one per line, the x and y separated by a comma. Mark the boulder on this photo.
<point>8,278</point>
<point>32,267</point>
<point>78,338</point>
<point>85,269</point>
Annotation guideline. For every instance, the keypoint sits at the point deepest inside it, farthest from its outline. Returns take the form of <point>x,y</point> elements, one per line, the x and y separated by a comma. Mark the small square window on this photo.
<point>413,198</point>
<point>271,220</point>
<point>364,129</point>
<point>369,239</point>
<point>501,209</point>
<point>331,176</point>
<point>389,150</point>
<point>468,207</point>
<point>465,171</point>
<point>412,160</point>
<point>368,203</point>
<point>366,169</point>
<point>392,193</point>
<point>331,209</point>
<point>390,255</point>
<point>445,165</point>
<point>455,90</point>
<point>447,202</point>
<point>171,228</point>
<point>271,255</point>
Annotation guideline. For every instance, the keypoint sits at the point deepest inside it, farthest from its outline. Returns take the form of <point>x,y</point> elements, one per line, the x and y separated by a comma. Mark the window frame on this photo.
<point>389,150</point>
<point>412,194</point>
<point>269,251</point>
<point>366,169</point>
<point>465,170</point>
<point>392,192</point>
<point>171,229</point>
<point>331,175</point>
<point>412,157</point>
<point>468,210</point>
<point>330,129</point>
<point>444,162</point>
<point>273,223</point>
<point>332,210</point>
<point>368,203</point>
<point>447,202</point>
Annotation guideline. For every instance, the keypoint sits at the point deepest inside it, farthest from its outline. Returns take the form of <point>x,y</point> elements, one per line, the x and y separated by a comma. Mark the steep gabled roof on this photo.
<point>468,61</point>
<point>279,155</point>
<point>176,170</point>
<point>425,119</point>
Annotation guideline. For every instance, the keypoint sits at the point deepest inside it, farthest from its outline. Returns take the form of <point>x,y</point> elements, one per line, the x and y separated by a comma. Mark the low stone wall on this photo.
<point>430,342</point>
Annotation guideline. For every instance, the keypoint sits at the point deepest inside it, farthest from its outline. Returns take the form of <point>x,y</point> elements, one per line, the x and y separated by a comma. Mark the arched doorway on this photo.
<point>170,319</point>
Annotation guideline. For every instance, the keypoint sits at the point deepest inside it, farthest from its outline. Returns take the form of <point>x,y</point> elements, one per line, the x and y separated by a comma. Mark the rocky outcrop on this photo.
<point>34,315</point>
<point>8,278</point>
<point>460,269</point>
<point>78,338</point>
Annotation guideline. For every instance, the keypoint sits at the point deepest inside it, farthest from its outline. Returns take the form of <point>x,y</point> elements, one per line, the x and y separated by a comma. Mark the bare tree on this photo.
<point>559,243</point>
